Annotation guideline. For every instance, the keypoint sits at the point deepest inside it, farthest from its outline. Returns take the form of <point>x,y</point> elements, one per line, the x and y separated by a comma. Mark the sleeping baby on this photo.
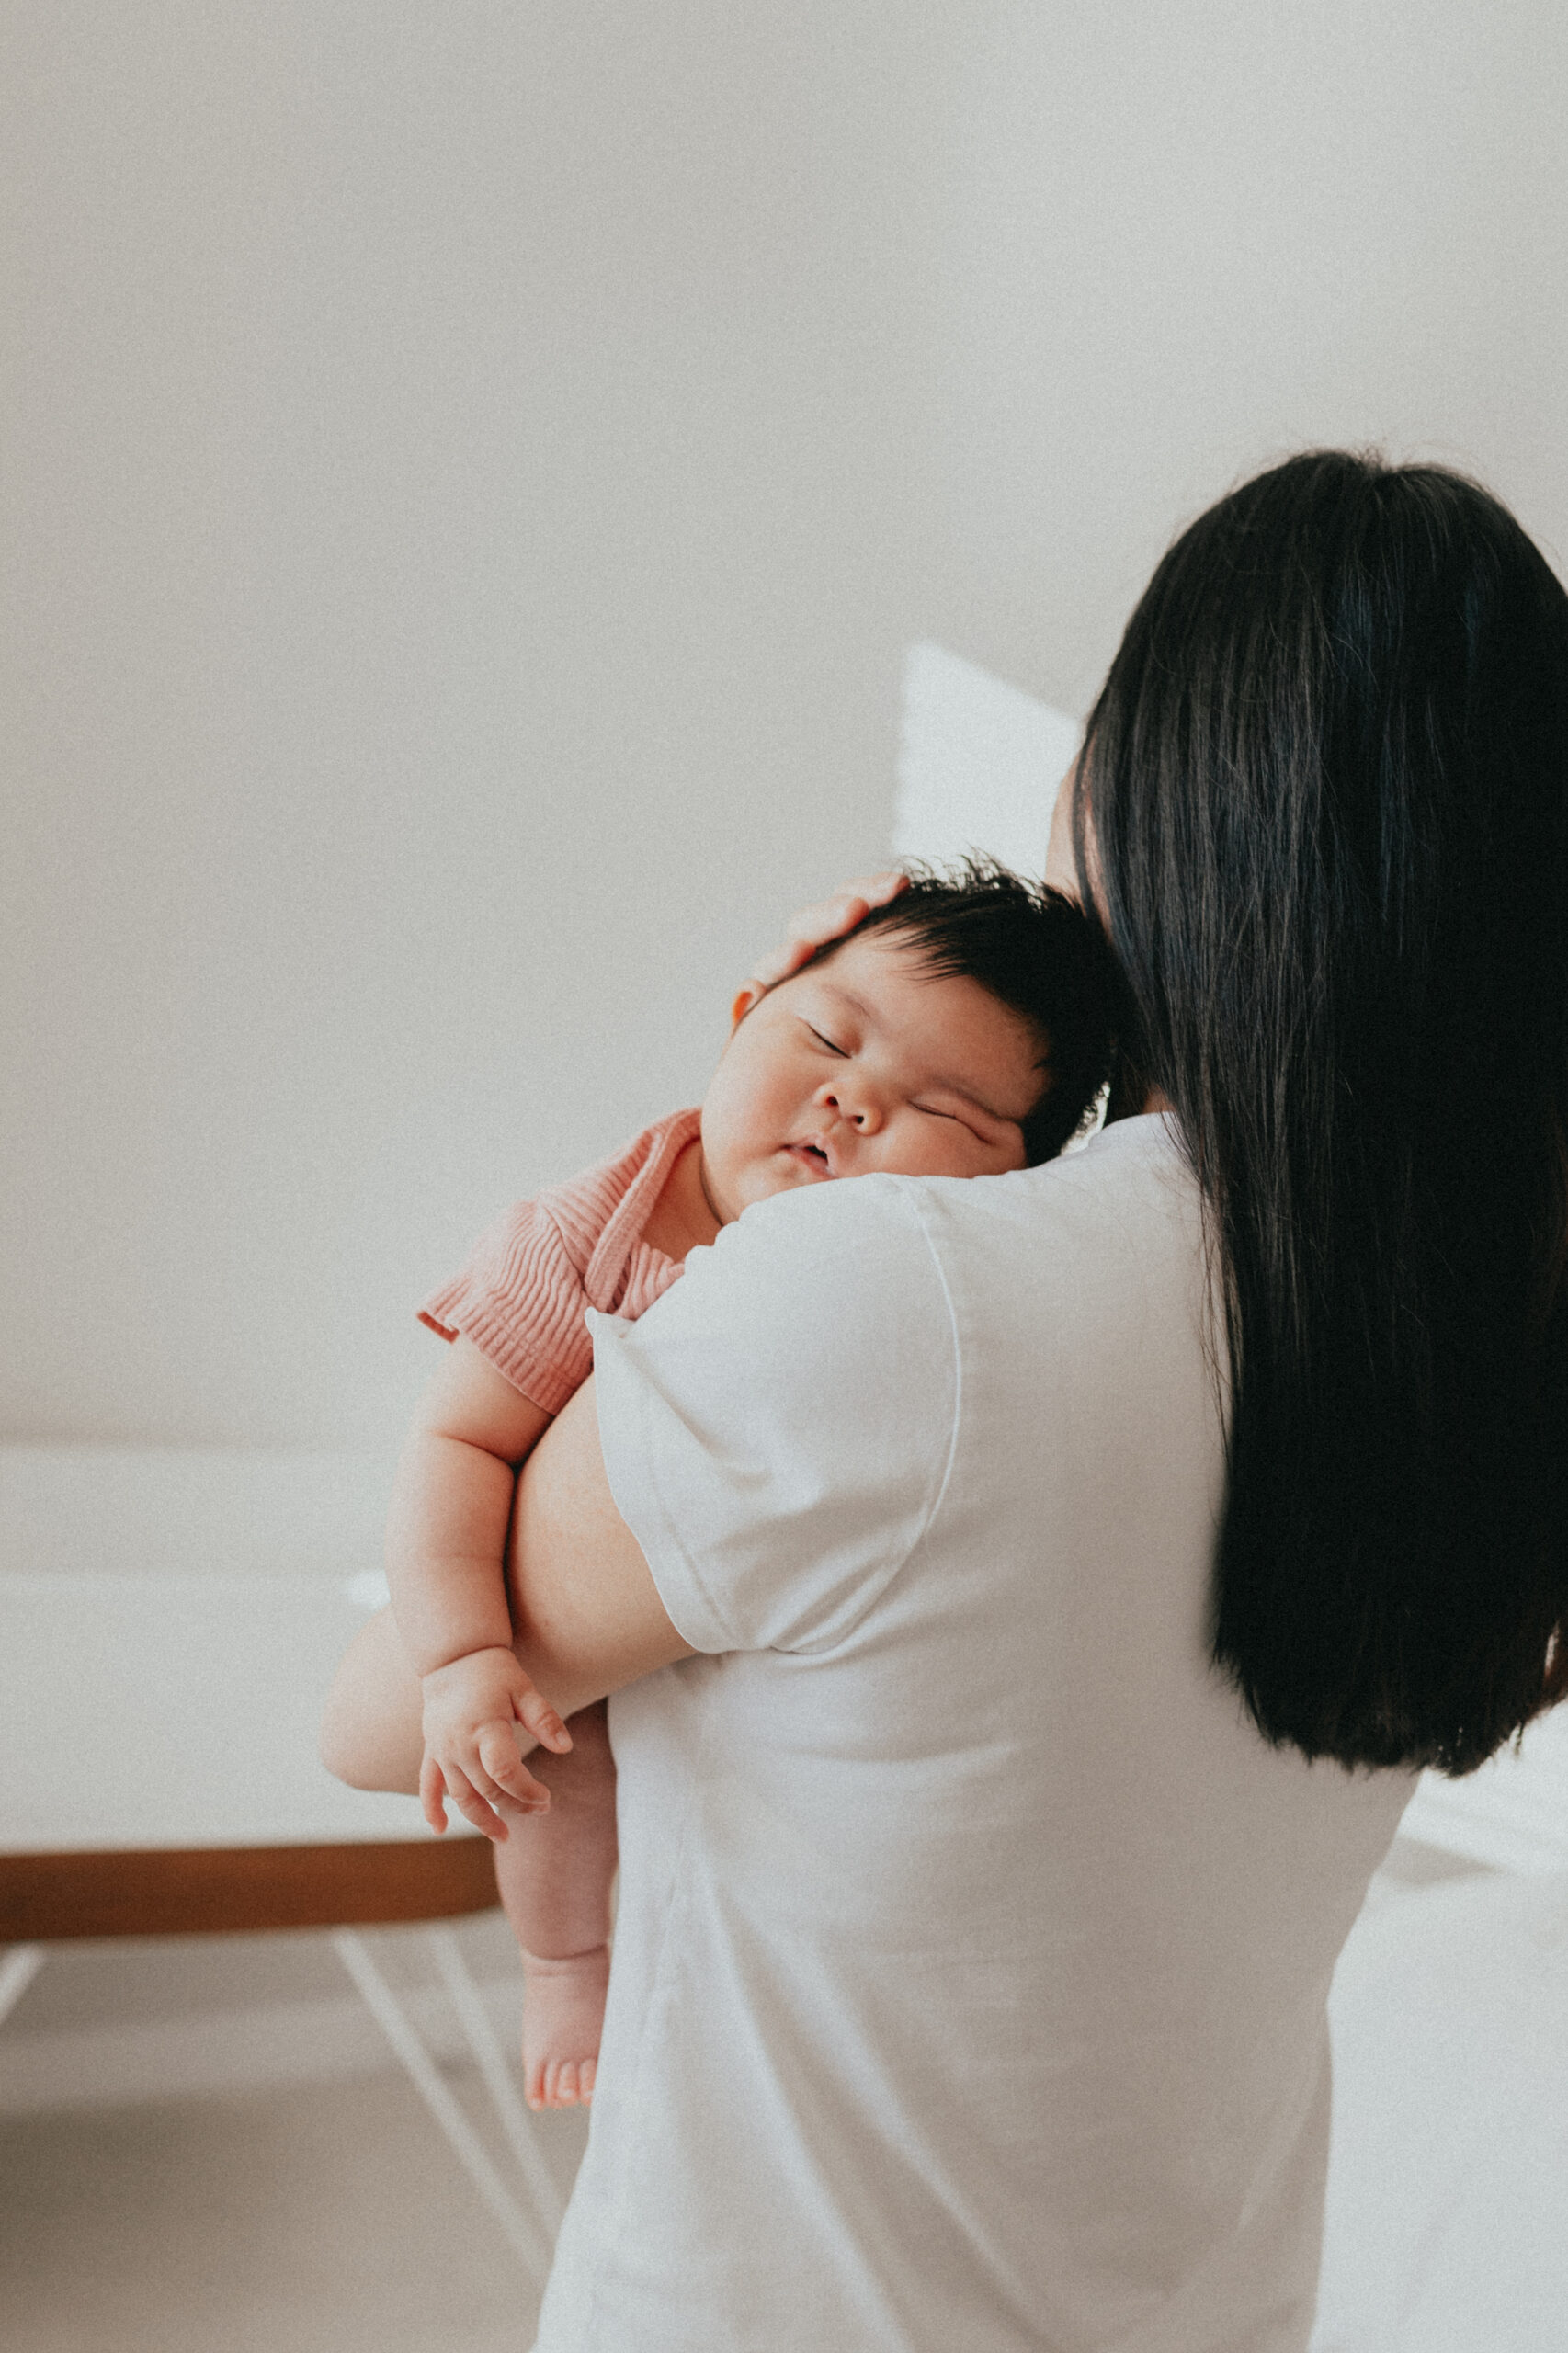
<point>961,1030</point>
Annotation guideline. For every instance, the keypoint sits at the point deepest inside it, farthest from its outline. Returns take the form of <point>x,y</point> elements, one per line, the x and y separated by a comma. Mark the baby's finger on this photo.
<point>472,1806</point>
<point>496,1745</point>
<point>501,1774</point>
<point>432,1792</point>
<point>534,1709</point>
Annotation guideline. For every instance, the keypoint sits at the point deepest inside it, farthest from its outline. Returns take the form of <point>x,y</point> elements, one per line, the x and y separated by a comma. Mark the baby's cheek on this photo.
<point>956,1158</point>
<point>925,1151</point>
<point>950,1149</point>
<point>734,1163</point>
<point>718,1168</point>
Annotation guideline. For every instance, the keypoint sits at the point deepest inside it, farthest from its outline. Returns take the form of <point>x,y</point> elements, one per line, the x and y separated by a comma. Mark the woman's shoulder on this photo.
<point>1130,1185</point>
<point>1097,1255</point>
<point>1130,1182</point>
<point>841,1241</point>
<point>1138,1167</point>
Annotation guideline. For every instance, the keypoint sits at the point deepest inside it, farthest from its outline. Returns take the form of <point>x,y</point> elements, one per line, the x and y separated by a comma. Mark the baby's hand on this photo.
<point>472,1756</point>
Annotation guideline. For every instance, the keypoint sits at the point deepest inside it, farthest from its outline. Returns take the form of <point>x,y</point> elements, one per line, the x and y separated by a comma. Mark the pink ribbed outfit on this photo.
<point>522,1296</point>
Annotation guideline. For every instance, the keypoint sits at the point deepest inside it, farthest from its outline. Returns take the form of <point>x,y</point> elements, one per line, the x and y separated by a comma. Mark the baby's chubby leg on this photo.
<point>370,1734</point>
<point>554,1870</point>
<point>554,1874</point>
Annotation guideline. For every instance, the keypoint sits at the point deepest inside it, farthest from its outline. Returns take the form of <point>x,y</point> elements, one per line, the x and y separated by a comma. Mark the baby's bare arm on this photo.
<point>588,1614</point>
<point>446,1544</point>
<point>451,1504</point>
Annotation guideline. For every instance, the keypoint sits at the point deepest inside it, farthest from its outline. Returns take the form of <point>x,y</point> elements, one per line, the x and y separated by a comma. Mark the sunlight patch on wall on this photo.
<point>978,764</point>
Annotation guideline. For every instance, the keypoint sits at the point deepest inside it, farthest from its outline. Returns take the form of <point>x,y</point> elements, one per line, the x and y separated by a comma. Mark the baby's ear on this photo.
<point>752,994</point>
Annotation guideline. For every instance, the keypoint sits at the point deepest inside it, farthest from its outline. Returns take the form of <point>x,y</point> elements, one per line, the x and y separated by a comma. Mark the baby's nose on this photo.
<point>854,1105</point>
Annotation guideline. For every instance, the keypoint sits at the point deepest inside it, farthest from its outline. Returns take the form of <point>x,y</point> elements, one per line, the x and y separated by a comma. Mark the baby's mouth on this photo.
<point>811,1157</point>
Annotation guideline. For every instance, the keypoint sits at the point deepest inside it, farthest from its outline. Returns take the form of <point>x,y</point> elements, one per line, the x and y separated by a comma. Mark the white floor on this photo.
<point>320,2219</point>
<point>327,2217</point>
<point>1448,2207</point>
<point>204,2149</point>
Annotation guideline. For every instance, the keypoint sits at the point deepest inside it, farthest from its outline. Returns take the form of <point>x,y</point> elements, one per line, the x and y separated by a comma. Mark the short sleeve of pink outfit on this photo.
<point>524,1294</point>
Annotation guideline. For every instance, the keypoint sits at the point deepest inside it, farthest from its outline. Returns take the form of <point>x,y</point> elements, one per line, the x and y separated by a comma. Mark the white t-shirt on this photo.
<point>972,1949</point>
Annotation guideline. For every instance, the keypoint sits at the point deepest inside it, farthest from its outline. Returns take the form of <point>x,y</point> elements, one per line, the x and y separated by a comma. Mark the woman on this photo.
<point>1037,1595</point>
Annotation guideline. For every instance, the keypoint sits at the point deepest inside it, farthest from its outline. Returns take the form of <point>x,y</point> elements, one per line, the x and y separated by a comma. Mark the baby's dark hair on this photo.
<point>1034,951</point>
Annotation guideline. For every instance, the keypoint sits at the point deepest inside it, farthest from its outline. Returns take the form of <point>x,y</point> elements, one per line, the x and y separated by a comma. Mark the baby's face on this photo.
<point>867,1062</point>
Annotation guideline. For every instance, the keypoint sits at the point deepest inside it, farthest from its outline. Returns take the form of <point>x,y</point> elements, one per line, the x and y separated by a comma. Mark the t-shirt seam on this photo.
<point>909,1192</point>
<point>671,1535</point>
<point>929,1238</point>
<point>719,1616</point>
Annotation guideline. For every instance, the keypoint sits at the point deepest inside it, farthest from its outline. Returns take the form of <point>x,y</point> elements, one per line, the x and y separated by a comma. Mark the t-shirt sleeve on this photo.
<point>779,1428</point>
<point>521,1300</point>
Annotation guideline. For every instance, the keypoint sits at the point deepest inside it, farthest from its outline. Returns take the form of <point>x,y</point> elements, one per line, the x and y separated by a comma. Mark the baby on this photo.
<point>961,1030</point>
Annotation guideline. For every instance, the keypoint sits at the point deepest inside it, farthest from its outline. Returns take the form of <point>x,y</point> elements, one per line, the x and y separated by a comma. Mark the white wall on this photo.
<point>471,473</point>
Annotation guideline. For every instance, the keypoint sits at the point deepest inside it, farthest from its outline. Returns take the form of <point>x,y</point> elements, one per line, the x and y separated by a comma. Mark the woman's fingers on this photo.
<point>829,919</point>
<point>876,889</point>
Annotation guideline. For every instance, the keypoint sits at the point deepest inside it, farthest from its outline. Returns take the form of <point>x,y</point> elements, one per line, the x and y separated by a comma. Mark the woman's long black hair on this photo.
<point>1327,800</point>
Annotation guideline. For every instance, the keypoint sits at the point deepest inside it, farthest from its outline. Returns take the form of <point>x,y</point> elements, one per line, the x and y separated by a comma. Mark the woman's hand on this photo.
<point>815,926</point>
<point>829,919</point>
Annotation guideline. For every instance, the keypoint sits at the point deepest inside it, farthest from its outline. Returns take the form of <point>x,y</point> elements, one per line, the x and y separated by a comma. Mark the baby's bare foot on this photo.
<point>563,2010</point>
